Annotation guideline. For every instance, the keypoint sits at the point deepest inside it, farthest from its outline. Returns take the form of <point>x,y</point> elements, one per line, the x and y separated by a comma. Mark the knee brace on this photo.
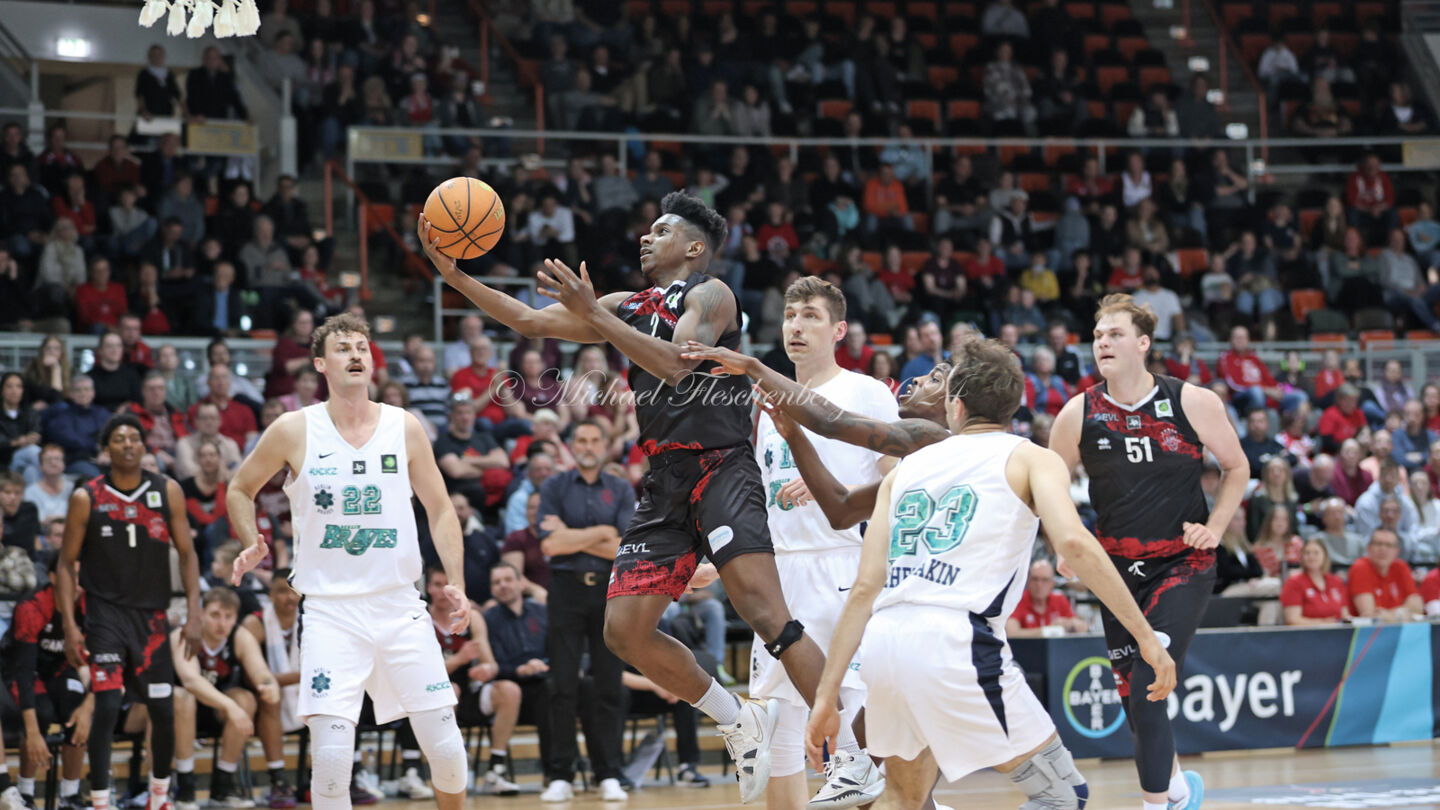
<point>1050,780</point>
<point>440,739</point>
<point>793,632</point>
<point>333,739</point>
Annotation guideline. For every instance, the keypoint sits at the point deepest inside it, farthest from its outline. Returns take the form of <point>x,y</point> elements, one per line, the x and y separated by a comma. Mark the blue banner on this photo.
<point>1308,687</point>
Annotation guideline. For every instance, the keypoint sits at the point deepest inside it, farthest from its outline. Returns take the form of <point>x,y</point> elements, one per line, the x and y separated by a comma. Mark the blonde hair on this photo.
<point>1121,304</point>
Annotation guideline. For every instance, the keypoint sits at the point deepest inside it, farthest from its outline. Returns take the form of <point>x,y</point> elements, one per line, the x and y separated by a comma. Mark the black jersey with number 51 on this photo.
<point>1144,463</point>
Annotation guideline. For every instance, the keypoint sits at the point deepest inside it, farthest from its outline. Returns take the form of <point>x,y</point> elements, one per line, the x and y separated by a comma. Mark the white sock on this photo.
<point>26,785</point>
<point>1179,789</point>
<point>846,741</point>
<point>186,765</point>
<point>1152,806</point>
<point>499,752</point>
<point>227,767</point>
<point>159,789</point>
<point>277,765</point>
<point>409,756</point>
<point>100,799</point>
<point>69,787</point>
<point>719,704</point>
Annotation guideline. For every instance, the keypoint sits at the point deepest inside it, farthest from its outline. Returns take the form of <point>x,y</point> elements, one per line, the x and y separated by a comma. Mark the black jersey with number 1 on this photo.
<point>702,412</point>
<point>1144,463</point>
<point>126,557</point>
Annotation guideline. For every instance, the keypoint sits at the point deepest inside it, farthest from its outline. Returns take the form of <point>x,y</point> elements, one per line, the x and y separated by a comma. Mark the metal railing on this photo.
<point>526,71</point>
<point>1227,44</point>
<point>244,135</point>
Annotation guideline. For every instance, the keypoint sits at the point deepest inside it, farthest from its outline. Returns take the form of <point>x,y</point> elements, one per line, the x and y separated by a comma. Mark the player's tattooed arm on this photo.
<point>820,415</point>
<point>843,507</point>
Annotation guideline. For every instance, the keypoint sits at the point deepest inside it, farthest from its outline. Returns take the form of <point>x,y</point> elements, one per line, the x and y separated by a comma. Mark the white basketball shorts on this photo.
<point>816,585</point>
<point>381,643</point>
<point>945,680</point>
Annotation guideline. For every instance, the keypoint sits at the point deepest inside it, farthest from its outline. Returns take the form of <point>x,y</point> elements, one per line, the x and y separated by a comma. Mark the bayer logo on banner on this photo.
<point>1092,703</point>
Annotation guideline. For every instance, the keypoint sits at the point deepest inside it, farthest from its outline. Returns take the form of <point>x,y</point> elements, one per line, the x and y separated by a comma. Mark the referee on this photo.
<point>583,512</point>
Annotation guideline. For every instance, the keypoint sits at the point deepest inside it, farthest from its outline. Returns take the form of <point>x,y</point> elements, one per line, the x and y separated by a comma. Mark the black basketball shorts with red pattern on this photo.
<point>128,646</point>
<point>693,503</point>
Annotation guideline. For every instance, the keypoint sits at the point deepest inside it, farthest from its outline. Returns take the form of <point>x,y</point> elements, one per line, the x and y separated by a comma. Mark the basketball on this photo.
<point>466,215</point>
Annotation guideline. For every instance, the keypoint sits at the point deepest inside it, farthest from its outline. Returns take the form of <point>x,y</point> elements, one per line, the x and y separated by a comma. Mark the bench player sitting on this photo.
<point>276,630</point>
<point>217,701</point>
<point>48,691</point>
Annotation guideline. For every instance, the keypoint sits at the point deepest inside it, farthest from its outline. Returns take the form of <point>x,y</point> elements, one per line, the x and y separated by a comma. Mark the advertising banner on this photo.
<point>1257,689</point>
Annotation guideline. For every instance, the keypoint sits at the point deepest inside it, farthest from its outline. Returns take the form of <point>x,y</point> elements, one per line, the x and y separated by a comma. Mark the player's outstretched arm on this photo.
<point>824,722</point>
<point>1212,425</point>
<point>66,586</point>
<point>843,507</point>
<point>551,321</point>
<point>1049,484</point>
<point>820,415</point>
<point>429,487</point>
<point>282,441</point>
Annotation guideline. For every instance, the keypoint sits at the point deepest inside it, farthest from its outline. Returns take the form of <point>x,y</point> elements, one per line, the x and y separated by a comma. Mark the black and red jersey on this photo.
<point>703,411</point>
<point>126,557</point>
<point>1144,463</point>
<point>450,644</point>
<point>221,667</point>
<point>37,643</point>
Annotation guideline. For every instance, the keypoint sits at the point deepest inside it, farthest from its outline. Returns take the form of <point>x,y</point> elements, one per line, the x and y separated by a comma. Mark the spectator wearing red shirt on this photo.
<point>1129,275</point>
<point>899,281</point>
<point>418,108</point>
<point>1430,592</point>
<point>777,236</point>
<point>854,352</point>
<point>118,169</point>
<point>1381,585</point>
<point>479,381</point>
<point>1313,595</point>
<point>885,205</point>
<point>1184,364</point>
<point>1329,379</point>
<point>237,421</point>
<point>1042,607</point>
<point>1249,379</point>
<point>1370,198</point>
<point>137,353</point>
<point>98,303</point>
<point>1341,421</point>
<point>73,205</point>
<point>983,269</point>
<point>1091,186</point>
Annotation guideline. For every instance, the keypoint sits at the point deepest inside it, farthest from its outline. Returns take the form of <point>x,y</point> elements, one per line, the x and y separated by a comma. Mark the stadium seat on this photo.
<point>1080,11</point>
<point>881,8</point>
<point>1095,43</point>
<point>923,9</point>
<point>842,9</point>
<point>1152,76</point>
<point>1364,12</point>
<point>1032,182</point>
<point>942,76</point>
<point>1322,11</point>
<point>921,221</point>
<point>637,8</point>
<point>1303,302</point>
<point>1235,13</point>
<point>1111,13</point>
<point>964,109</point>
<point>1108,77</point>
<point>1054,153</point>
<point>923,108</point>
<point>1408,214</point>
<point>874,259</point>
<point>961,43</point>
<point>1326,322</point>
<point>674,8</point>
<point>1373,319</point>
<point>1192,260</point>
<point>836,108</point>
<point>913,260</point>
<point>1377,339</point>
<point>1281,12</point>
<point>815,265</point>
<point>1421,334</point>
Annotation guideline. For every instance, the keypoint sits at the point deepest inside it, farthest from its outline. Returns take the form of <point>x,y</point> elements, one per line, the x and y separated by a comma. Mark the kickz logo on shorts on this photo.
<point>438,686</point>
<point>321,472</point>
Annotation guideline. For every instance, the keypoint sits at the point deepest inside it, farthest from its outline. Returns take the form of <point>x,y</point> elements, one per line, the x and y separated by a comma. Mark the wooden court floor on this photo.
<point>1388,776</point>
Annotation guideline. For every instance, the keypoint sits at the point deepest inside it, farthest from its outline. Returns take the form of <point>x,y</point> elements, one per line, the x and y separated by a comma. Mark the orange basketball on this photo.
<point>466,215</point>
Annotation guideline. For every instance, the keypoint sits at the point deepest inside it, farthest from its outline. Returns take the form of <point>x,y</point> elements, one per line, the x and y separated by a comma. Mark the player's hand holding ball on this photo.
<point>463,218</point>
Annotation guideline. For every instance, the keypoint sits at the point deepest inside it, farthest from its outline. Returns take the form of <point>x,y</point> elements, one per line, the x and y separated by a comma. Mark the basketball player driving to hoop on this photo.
<point>703,493</point>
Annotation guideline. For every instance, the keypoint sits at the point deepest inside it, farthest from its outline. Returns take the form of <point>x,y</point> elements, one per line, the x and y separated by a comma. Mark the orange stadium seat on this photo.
<point>1280,12</point>
<point>1307,218</point>
<point>881,8</point>
<point>714,8</point>
<point>1008,154</point>
<point>800,8</point>
<point>1054,152</point>
<point>1094,43</point>
<point>923,108</point>
<point>1326,340</point>
<point>1364,12</point>
<point>923,9</point>
<point>1032,182</point>
<point>921,222</point>
<point>1153,75</point>
<point>872,258</point>
<point>1107,77</point>
<point>914,259</point>
<point>845,11</point>
<point>1111,13</point>
<point>961,43</point>
<point>1322,11</point>
<point>1080,11</point>
<point>962,109</point>
<point>942,76</point>
<point>1421,334</point>
<point>1252,46</point>
<point>1129,46</point>
<point>1303,302</point>
<point>674,8</point>
<point>1192,260</point>
<point>881,339</point>
<point>927,40</point>
<point>1408,214</point>
<point>1377,339</point>
<point>637,8</point>
<point>814,265</point>
<point>836,108</point>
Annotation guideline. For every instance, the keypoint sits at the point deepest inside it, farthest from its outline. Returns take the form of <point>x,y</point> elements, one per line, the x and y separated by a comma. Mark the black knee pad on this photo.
<point>792,632</point>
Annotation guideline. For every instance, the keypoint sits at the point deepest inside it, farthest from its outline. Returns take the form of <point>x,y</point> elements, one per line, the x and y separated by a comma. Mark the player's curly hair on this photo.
<point>694,211</point>
<point>119,420</point>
